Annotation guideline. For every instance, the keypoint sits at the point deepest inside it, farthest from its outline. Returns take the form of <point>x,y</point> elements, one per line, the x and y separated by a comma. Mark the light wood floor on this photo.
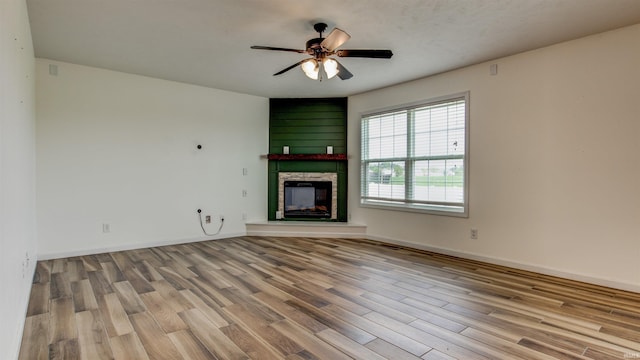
<point>304,298</point>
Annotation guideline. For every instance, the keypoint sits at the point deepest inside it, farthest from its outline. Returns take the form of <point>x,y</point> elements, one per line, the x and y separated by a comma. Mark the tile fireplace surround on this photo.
<point>309,176</point>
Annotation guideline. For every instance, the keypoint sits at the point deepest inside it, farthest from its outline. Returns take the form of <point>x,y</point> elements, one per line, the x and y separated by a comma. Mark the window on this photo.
<point>415,157</point>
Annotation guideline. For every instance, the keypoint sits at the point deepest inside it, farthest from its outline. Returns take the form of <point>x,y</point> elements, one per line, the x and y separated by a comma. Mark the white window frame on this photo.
<point>459,209</point>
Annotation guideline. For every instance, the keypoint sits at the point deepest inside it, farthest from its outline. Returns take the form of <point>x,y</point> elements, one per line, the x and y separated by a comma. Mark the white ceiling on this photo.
<point>206,42</point>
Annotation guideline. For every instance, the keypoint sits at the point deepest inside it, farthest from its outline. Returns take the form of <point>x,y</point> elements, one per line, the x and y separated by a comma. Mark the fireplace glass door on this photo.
<point>307,199</point>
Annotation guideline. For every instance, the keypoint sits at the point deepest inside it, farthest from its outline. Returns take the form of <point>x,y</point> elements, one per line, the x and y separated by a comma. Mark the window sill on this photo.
<point>455,211</point>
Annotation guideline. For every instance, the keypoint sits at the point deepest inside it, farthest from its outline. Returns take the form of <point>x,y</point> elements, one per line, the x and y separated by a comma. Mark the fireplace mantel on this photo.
<point>308,157</point>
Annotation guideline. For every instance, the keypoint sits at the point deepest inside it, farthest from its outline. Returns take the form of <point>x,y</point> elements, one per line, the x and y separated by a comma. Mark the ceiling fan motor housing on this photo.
<point>314,47</point>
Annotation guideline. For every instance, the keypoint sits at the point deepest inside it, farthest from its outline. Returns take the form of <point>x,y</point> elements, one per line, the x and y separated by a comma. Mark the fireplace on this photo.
<point>307,196</point>
<point>307,199</point>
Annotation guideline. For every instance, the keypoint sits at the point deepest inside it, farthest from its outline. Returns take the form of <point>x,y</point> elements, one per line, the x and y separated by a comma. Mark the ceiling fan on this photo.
<point>321,49</point>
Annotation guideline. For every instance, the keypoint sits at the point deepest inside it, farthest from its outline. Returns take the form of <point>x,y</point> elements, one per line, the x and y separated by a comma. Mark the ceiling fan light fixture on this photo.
<point>321,66</point>
<point>330,67</point>
<point>310,68</point>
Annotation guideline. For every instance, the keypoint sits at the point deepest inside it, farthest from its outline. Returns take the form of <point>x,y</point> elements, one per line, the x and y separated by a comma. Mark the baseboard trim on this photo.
<point>355,231</point>
<point>124,247</point>
<point>512,264</point>
<point>16,347</point>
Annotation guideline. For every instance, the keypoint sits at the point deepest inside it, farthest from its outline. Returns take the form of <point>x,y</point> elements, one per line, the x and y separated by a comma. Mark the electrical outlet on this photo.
<point>245,171</point>
<point>106,228</point>
<point>244,193</point>
<point>221,218</point>
<point>474,234</point>
<point>207,219</point>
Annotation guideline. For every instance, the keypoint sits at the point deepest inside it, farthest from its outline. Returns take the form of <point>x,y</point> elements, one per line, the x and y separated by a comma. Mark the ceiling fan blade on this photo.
<point>290,67</point>
<point>336,38</point>
<point>378,54</point>
<point>277,49</point>
<point>343,73</point>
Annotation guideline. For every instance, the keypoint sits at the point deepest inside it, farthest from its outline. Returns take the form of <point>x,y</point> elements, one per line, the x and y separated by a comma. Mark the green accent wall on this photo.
<point>308,126</point>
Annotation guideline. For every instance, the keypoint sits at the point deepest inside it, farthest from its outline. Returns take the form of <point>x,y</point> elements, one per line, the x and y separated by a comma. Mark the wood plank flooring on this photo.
<point>316,298</point>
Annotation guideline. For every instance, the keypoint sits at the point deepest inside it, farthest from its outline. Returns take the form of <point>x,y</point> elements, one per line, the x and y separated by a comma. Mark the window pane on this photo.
<point>386,147</point>
<point>439,180</point>
<point>455,142</point>
<point>439,129</point>
<point>421,145</point>
<point>385,180</point>
<point>438,143</point>
<point>400,146</point>
<point>374,148</point>
<point>386,136</point>
<point>428,180</point>
<point>454,181</point>
<point>374,127</point>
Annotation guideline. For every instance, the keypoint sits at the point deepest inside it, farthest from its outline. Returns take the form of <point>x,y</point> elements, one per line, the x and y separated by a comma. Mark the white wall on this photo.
<point>554,161</point>
<point>17,173</point>
<point>120,149</point>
